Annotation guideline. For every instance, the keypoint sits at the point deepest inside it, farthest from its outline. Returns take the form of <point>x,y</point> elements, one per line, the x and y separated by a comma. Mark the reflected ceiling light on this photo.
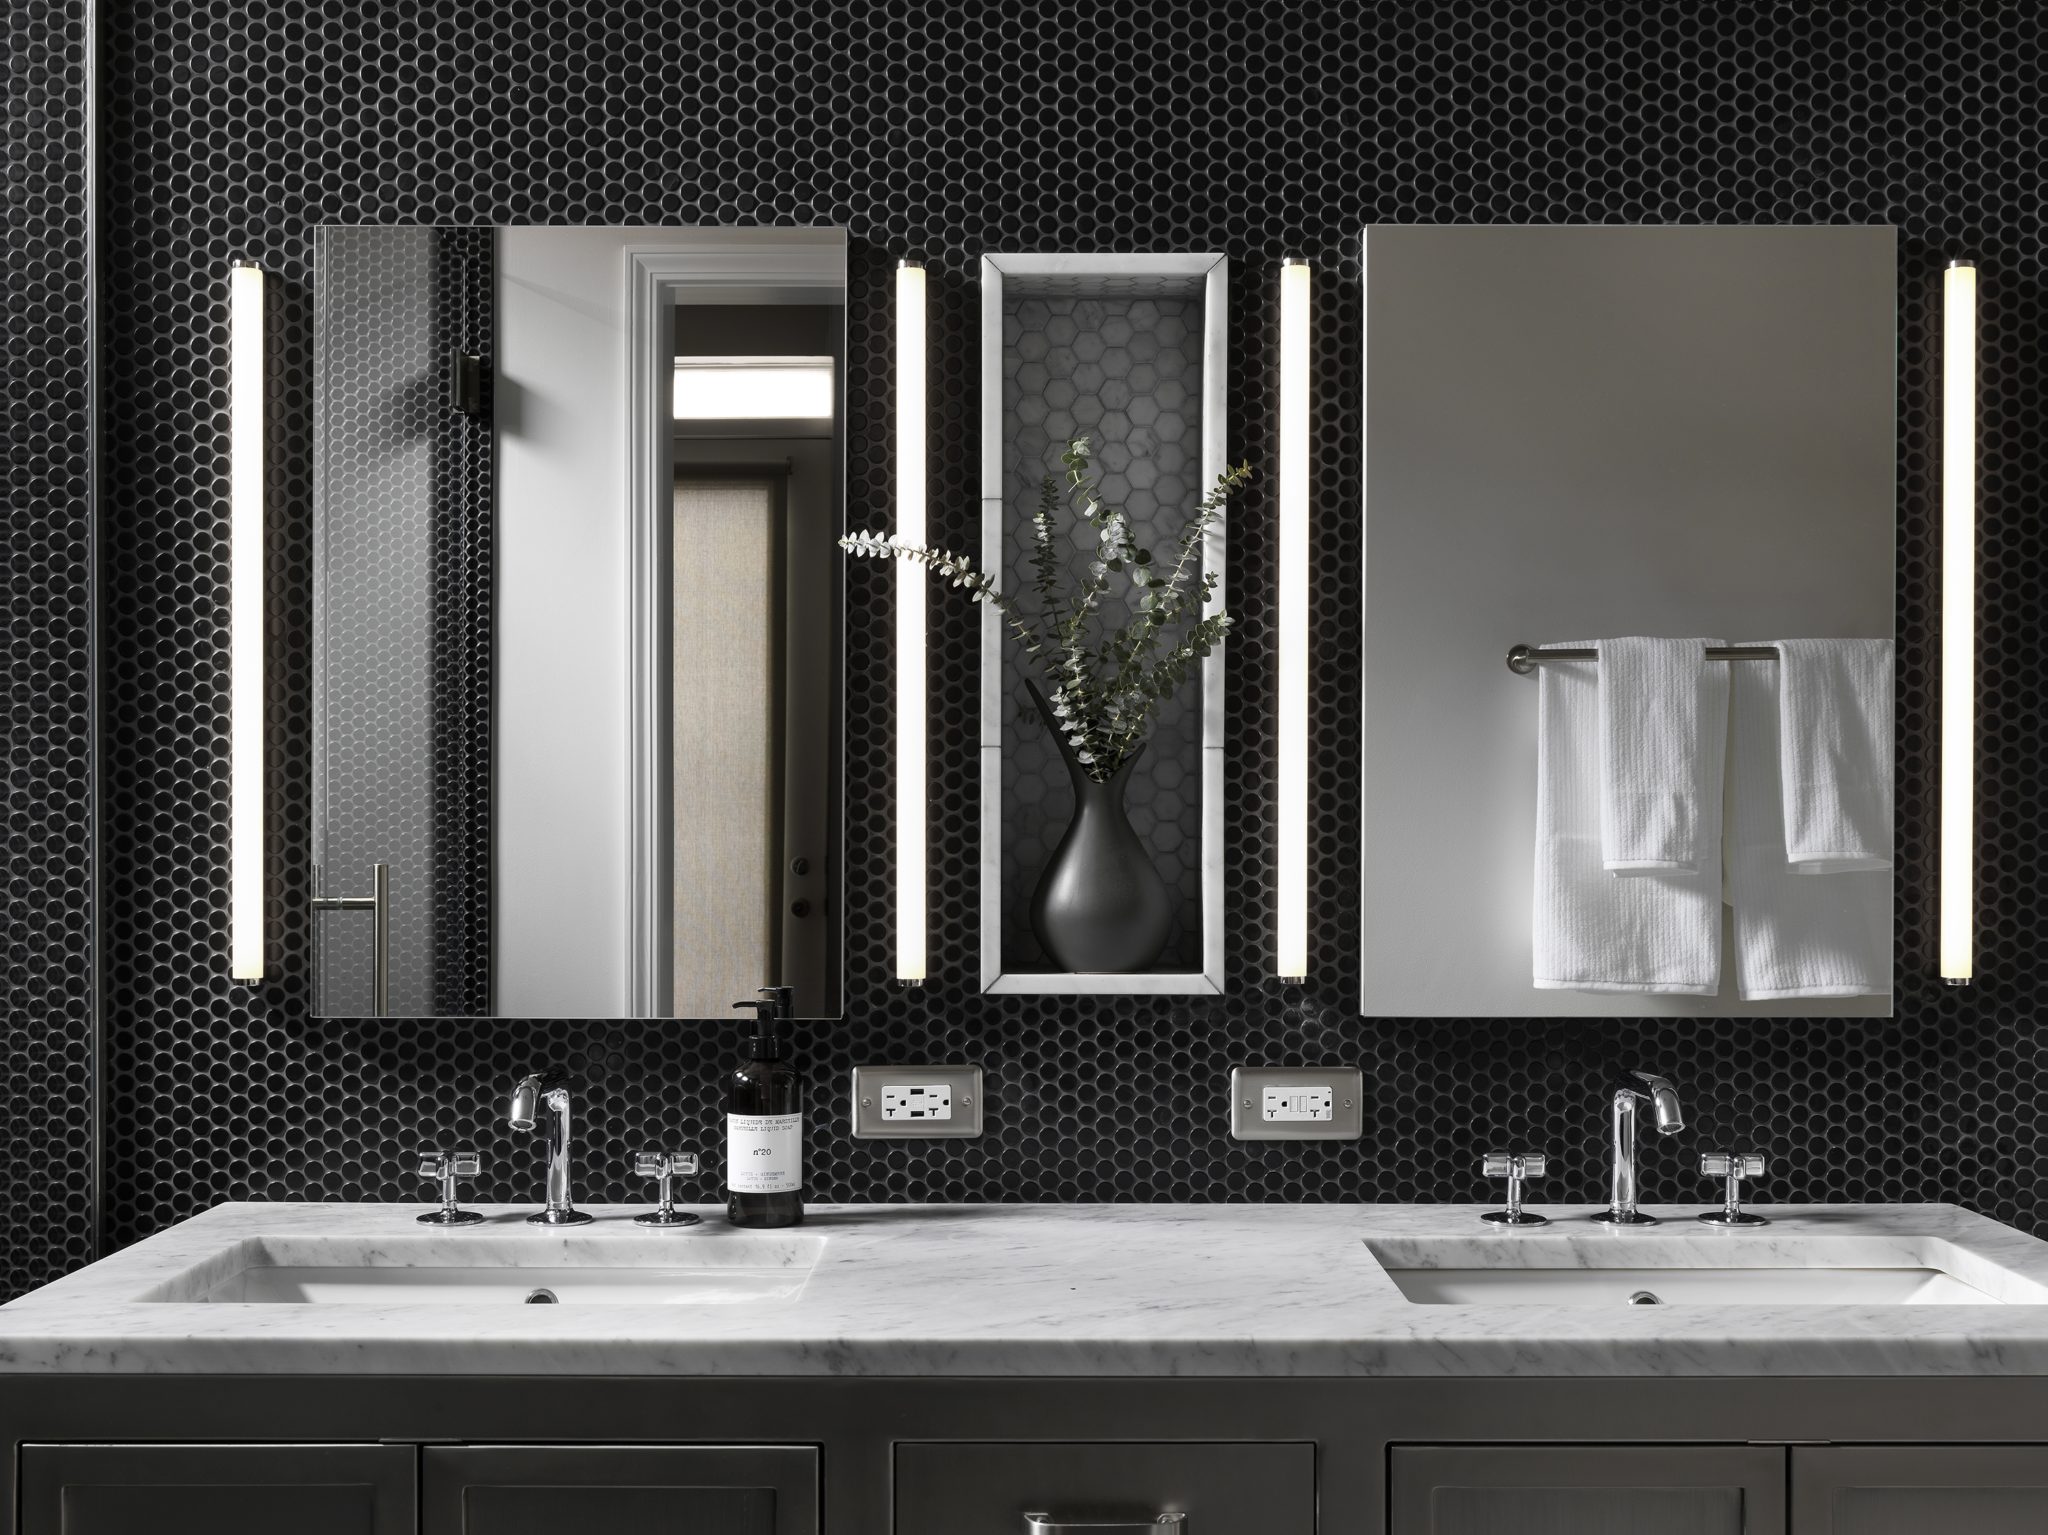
<point>1291,619</point>
<point>753,389</point>
<point>1958,619</point>
<point>910,621</point>
<point>245,621</point>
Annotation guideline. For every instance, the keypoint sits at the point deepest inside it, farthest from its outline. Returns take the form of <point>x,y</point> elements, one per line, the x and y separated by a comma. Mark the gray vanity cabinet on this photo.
<point>217,1489</point>
<point>618,1489</point>
<point>1920,1490</point>
<point>987,1489</point>
<point>1564,1490</point>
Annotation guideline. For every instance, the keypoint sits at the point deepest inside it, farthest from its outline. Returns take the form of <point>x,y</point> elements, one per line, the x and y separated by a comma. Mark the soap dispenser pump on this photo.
<point>764,1117</point>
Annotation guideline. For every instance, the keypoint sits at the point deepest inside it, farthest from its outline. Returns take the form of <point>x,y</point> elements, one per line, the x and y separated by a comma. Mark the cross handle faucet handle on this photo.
<point>448,1168</point>
<point>665,1166</point>
<point>1516,1167</point>
<point>450,1165</point>
<point>1734,1166</point>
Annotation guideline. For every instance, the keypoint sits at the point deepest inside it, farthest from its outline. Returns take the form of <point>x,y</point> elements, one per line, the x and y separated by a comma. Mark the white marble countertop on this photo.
<point>1055,1290</point>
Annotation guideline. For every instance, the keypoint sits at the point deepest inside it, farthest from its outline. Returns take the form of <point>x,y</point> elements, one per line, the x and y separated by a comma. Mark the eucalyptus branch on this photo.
<point>1104,689</point>
<point>1166,605</point>
<point>958,571</point>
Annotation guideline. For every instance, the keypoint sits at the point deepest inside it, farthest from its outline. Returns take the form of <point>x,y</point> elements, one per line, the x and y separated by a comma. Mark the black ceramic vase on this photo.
<point>1100,904</point>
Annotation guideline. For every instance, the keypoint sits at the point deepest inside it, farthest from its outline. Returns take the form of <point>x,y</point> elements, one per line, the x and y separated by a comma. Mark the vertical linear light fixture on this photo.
<point>1958,620</point>
<point>1291,962</point>
<point>910,624</point>
<point>245,621</point>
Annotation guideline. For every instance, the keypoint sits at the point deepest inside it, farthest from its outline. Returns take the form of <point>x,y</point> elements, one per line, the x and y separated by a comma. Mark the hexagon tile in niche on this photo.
<point>1247,130</point>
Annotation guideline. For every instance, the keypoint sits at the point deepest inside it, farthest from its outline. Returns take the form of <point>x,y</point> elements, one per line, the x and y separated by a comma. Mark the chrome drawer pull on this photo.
<point>1105,1524</point>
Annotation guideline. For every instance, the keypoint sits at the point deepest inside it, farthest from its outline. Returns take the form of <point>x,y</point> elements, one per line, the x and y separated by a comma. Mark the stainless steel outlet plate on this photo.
<point>1297,1103</point>
<point>916,1102</point>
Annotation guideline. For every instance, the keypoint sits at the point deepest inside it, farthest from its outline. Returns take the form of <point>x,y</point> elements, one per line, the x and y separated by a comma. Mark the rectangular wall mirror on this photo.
<point>1576,434</point>
<point>1128,352</point>
<point>578,672</point>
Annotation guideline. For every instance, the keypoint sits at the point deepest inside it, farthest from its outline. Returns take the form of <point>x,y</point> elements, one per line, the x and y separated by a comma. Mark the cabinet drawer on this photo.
<point>1906,1489</point>
<point>633,1489</point>
<point>1487,1489</point>
<point>204,1489</point>
<point>1223,1489</point>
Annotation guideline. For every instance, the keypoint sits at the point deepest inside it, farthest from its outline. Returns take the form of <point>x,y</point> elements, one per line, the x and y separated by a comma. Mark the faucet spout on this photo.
<point>543,1096</point>
<point>1635,1088</point>
<point>1663,1099</point>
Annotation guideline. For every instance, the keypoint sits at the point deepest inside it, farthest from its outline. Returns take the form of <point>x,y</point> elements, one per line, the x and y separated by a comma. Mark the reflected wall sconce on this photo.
<point>1291,617</point>
<point>1958,620</point>
<point>910,626</point>
<point>245,621</point>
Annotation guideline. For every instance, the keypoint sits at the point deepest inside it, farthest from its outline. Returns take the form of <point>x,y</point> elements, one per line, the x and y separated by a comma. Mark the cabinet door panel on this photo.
<point>1920,1489</point>
<point>217,1489</point>
<point>619,1489</point>
<point>1566,1490</point>
<point>1224,1489</point>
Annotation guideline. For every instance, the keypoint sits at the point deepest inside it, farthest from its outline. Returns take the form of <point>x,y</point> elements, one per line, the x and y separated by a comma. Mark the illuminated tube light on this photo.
<point>245,621</point>
<point>1291,616</point>
<point>1958,620</point>
<point>910,626</point>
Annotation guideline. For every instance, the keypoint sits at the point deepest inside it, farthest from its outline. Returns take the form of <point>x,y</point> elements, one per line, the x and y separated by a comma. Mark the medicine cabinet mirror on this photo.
<point>1579,433</point>
<point>578,604</point>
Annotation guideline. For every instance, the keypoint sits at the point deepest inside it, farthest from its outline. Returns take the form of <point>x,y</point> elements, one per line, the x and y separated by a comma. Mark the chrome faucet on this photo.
<point>1635,1089</point>
<point>547,1092</point>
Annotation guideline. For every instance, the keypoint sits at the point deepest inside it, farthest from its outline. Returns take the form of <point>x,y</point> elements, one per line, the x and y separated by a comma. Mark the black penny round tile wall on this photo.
<point>46,578</point>
<point>1260,130</point>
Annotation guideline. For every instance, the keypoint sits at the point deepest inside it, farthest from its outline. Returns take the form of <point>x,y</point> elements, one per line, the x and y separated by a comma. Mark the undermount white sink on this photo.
<point>1686,1287</point>
<point>696,1268</point>
<point>1677,1268</point>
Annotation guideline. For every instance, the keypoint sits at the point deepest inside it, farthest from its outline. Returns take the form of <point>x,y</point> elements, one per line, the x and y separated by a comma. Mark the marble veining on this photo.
<point>1020,1290</point>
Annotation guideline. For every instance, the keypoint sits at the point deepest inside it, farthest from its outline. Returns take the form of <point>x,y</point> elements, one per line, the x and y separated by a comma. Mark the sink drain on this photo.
<point>542,1297</point>
<point>1640,1298</point>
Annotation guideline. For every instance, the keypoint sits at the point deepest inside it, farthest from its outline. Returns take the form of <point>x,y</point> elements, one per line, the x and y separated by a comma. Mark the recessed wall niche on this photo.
<point>1128,352</point>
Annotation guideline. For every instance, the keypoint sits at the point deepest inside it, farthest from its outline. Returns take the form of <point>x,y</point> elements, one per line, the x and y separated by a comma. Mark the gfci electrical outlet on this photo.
<point>928,1103</point>
<point>916,1102</point>
<point>1316,1105</point>
<point>1297,1103</point>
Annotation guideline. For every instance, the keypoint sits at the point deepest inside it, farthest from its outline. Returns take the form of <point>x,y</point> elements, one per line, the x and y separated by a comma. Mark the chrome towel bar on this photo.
<point>1522,659</point>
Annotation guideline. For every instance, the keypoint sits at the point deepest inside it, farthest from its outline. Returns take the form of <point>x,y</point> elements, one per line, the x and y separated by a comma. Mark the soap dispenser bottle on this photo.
<point>764,1119</point>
